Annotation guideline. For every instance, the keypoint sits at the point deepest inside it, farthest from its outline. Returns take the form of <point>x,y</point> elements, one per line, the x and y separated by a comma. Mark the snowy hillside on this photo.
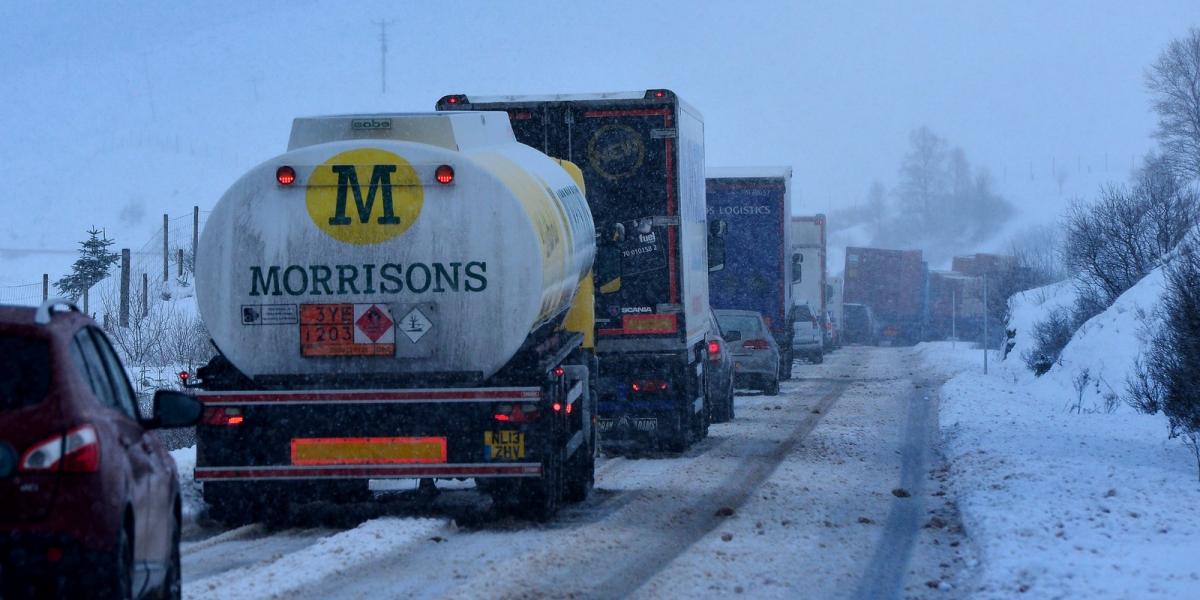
<point>1065,490</point>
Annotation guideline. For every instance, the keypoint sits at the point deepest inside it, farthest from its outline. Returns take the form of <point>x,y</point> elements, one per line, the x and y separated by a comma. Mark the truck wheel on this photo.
<point>772,388</point>
<point>241,504</point>
<point>818,357</point>
<point>729,416</point>
<point>681,437</point>
<point>540,497</point>
<point>582,474</point>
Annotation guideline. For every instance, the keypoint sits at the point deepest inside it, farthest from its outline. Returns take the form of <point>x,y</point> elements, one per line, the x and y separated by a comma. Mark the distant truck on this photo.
<point>754,205</point>
<point>893,284</point>
<point>398,296</point>
<point>810,279</point>
<point>642,157</point>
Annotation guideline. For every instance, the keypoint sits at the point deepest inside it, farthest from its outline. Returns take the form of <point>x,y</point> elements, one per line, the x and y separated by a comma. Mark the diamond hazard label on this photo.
<point>346,330</point>
<point>374,323</point>
<point>415,325</point>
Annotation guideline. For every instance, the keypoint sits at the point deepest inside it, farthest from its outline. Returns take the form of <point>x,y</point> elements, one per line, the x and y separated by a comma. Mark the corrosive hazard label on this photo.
<point>346,330</point>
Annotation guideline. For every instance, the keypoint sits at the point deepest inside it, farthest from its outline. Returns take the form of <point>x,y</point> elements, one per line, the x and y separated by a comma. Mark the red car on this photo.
<point>90,501</point>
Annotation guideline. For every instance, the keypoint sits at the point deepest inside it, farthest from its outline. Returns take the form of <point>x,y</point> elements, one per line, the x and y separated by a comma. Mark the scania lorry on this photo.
<point>398,296</point>
<point>642,157</point>
<point>754,206</point>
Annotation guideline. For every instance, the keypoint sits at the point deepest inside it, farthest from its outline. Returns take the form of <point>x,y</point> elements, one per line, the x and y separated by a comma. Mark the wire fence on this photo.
<point>27,294</point>
<point>149,258</point>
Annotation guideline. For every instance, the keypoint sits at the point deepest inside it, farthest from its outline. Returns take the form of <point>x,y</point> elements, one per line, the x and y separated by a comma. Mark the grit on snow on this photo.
<point>798,497</point>
<point>1065,491</point>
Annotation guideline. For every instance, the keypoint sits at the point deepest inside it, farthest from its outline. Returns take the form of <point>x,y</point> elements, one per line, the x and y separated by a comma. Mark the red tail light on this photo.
<point>222,415</point>
<point>444,174</point>
<point>648,386</point>
<point>517,413</point>
<point>285,175</point>
<point>76,452</point>
<point>714,350</point>
<point>756,345</point>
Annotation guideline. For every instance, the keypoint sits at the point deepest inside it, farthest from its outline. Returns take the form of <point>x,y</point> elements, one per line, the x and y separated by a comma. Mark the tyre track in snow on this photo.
<point>732,493</point>
<point>644,513</point>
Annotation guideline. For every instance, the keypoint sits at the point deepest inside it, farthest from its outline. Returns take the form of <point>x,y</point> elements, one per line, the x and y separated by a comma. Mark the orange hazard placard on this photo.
<point>368,451</point>
<point>347,330</point>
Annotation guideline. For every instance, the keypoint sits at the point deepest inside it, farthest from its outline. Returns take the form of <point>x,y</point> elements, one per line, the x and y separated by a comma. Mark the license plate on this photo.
<point>368,451</point>
<point>503,445</point>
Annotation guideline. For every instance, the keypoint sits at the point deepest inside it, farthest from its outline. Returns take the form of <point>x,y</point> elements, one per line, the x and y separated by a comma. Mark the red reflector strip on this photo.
<point>370,396</point>
<point>368,451</point>
<point>369,472</point>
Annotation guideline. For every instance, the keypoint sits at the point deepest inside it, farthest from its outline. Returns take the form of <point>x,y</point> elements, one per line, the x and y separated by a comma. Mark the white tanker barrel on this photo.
<point>436,246</point>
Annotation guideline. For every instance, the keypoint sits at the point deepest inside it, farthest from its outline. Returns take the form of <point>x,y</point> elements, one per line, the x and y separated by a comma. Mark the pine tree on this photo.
<point>94,262</point>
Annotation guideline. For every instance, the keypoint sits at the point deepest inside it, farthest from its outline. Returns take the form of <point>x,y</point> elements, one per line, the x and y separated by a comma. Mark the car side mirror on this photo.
<point>716,245</point>
<point>732,336</point>
<point>607,268</point>
<point>174,409</point>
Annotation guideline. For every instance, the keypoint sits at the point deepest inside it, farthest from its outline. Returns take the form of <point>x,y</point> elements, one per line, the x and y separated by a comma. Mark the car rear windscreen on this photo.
<point>743,324</point>
<point>802,313</point>
<point>24,371</point>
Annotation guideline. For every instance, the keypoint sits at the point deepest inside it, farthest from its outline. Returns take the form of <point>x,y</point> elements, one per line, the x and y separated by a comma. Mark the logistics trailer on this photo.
<point>893,284</point>
<point>809,285</point>
<point>397,296</point>
<point>753,205</point>
<point>642,157</point>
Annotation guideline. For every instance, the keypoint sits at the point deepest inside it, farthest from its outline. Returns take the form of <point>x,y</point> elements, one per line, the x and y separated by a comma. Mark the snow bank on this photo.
<point>1100,357</point>
<point>1062,496</point>
<point>1069,505</point>
<point>189,488</point>
<point>284,576</point>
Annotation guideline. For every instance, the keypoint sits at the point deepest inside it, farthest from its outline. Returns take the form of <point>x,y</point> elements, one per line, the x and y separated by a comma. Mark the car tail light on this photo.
<point>76,452</point>
<point>648,386</point>
<point>222,415</point>
<point>444,174</point>
<point>517,413</point>
<point>714,350</point>
<point>756,345</point>
<point>285,175</point>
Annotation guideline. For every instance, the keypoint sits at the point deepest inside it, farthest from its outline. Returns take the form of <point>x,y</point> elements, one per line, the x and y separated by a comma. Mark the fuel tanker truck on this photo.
<point>398,296</point>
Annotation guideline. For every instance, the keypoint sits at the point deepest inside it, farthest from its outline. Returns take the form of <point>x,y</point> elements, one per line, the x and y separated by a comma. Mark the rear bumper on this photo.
<point>381,434</point>
<point>755,364</point>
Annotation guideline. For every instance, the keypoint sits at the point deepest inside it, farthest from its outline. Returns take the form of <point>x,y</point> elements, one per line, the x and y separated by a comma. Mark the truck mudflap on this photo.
<point>380,434</point>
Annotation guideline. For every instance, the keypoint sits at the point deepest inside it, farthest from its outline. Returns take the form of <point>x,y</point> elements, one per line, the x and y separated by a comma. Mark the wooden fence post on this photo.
<point>166,250</point>
<point>123,313</point>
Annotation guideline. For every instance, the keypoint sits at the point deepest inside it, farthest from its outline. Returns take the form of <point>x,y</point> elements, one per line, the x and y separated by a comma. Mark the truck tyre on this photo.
<point>772,388</point>
<point>239,504</point>
<point>818,357</point>
<point>540,497</point>
<point>681,437</point>
<point>581,476</point>
<point>729,416</point>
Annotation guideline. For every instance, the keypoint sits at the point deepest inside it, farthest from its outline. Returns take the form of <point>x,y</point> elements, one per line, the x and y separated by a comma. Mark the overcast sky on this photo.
<point>830,88</point>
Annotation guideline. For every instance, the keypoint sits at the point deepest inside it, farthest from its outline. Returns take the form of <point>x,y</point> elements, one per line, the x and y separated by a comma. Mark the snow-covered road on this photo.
<point>830,489</point>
